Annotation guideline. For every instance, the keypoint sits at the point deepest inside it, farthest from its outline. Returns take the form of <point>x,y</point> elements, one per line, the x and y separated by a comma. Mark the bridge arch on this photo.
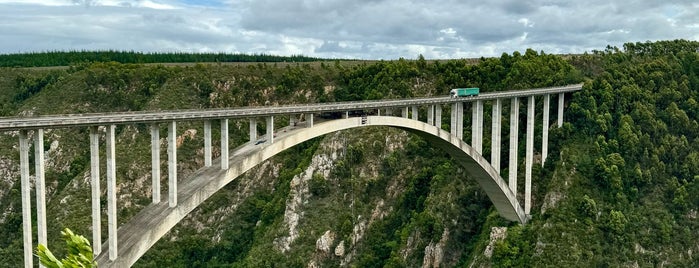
<point>154,221</point>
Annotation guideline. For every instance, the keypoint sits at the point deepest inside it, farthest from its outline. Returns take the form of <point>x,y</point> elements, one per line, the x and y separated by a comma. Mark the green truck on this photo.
<point>464,92</point>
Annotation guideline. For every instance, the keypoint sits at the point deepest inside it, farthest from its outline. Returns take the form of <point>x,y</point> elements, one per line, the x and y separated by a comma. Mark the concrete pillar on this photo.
<point>529,160</point>
<point>292,120</point>
<point>561,96</point>
<point>477,126</point>
<point>253,129</point>
<point>460,120</point>
<point>155,161</point>
<point>459,107</point>
<point>545,130</point>
<point>345,115</point>
<point>495,140</point>
<point>378,112</point>
<point>389,112</point>
<point>404,112</point>
<point>453,125</point>
<point>309,121</point>
<point>430,115</point>
<point>270,129</point>
<point>26,198</point>
<point>514,144</point>
<point>111,192</point>
<point>207,143</point>
<point>224,144</point>
<point>95,183</point>
<point>40,186</point>
<point>438,116</point>
<point>172,163</point>
<point>415,113</point>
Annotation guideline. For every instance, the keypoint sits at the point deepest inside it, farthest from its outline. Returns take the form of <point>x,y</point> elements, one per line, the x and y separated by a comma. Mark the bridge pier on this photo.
<point>414,113</point>
<point>40,186</point>
<point>561,96</point>
<point>224,144</point>
<point>26,198</point>
<point>514,144</point>
<point>404,112</point>
<point>495,140</point>
<point>207,143</point>
<point>438,116</point>
<point>172,163</point>
<point>253,129</point>
<point>95,185</point>
<point>111,192</point>
<point>545,130</point>
<point>345,115</point>
<point>529,157</point>
<point>430,115</point>
<point>155,162</point>
<point>270,129</point>
<point>477,126</point>
<point>457,119</point>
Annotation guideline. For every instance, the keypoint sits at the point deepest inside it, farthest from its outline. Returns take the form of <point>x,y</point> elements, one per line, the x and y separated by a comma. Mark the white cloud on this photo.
<point>368,29</point>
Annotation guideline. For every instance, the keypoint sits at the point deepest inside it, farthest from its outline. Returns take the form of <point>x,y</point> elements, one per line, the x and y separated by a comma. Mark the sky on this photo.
<point>358,29</point>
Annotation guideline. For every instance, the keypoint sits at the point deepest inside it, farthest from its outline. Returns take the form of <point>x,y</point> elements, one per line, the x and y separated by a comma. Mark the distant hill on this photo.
<point>66,58</point>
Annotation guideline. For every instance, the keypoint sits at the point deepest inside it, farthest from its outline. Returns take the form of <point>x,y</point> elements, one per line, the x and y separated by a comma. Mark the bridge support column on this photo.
<point>270,129</point>
<point>457,119</point>
<point>155,161</point>
<point>438,116</point>
<point>253,129</point>
<point>207,143</point>
<point>389,112</point>
<point>224,144</point>
<point>378,112</point>
<point>545,130</point>
<point>430,115</point>
<point>111,192</point>
<point>514,144</point>
<point>172,163</point>
<point>309,121</point>
<point>477,126</point>
<point>292,120</point>
<point>495,140</point>
<point>529,156</point>
<point>40,186</point>
<point>560,108</point>
<point>345,115</point>
<point>404,112</point>
<point>414,113</point>
<point>95,185</point>
<point>26,198</point>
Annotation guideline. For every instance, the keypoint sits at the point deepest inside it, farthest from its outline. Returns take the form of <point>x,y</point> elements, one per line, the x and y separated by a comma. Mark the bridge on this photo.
<point>126,243</point>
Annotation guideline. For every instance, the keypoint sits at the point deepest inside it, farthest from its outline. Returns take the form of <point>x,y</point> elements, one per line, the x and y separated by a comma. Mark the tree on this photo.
<point>78,248</point>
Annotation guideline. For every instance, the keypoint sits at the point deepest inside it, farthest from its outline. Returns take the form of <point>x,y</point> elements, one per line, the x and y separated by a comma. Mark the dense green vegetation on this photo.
<point>66,58</point>
<point>620,186</point>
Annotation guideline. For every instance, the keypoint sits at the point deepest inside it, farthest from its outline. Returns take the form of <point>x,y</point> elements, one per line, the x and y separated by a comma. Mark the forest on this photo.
<point>66,58</point>
<point>620,187</point>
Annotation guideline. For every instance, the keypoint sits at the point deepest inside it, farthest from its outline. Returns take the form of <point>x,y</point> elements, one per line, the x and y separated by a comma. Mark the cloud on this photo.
<point>367,29</point>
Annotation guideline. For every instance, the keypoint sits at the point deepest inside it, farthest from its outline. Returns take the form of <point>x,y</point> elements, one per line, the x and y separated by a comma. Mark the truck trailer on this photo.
<point>464,92</point>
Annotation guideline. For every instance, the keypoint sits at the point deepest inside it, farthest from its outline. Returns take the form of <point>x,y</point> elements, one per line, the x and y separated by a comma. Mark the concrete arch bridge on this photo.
<point>126,243</point>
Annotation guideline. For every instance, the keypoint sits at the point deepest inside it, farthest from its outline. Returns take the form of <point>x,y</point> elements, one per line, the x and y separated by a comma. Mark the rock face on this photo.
<point>321,163</point>
<point>435,252</point>
<point>496,234</point>
<point>324,243</point>
<point>340,249</point>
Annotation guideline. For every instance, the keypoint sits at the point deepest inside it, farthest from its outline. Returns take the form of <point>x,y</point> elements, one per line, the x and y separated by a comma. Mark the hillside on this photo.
<point>620,187</point>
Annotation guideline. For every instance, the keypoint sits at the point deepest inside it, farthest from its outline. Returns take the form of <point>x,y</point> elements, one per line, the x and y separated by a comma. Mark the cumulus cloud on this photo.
<point>366,29</point>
